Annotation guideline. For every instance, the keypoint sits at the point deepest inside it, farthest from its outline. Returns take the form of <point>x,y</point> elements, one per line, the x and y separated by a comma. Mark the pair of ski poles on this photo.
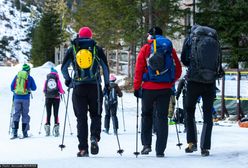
<point>44,108</point>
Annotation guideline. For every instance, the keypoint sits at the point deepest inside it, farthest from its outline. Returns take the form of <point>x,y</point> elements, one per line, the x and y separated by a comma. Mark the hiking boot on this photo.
<point>115,131</point>
<point>204,152</point>
<point>146,149</point>
<point>106,131</point>
<point>94,149</point>
<point>56,130</point>
<point>25,134</point>
<point>160,155</point>
<point>192,147</point>
<point>83,153</point>
<point>47,129</point>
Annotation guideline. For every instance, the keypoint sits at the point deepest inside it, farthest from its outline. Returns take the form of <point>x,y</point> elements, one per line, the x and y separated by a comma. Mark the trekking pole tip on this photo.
<point>120,151</point>
<point>62,146</point>
<point>136,154</point>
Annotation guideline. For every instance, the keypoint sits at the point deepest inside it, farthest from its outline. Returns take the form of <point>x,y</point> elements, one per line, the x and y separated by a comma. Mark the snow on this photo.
<point>229,142</point>
<point>16,25</point>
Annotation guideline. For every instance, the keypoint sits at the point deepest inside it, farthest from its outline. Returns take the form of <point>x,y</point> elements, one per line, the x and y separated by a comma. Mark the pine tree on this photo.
<point>49,32</point>
<point>126,20</point>
<point>230,19</point>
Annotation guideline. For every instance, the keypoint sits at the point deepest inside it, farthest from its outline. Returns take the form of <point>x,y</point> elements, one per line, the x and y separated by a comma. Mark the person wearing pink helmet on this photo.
<point>111,103</point>
<point>86,58</point>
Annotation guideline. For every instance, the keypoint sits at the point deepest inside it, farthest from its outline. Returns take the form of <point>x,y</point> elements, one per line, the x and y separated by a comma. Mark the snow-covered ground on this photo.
<point>229,142</point>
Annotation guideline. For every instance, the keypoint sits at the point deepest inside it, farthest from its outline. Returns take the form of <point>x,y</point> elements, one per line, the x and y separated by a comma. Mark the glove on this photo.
<point>138,93</point>
<point>68,83</point>
<point>106,90</point>
<point>177,95</point>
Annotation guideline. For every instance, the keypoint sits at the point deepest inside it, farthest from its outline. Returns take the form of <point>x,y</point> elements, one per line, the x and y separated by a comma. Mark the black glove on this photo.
<point>138,93</point>
<point>177,95</point>
<point>68,83</point>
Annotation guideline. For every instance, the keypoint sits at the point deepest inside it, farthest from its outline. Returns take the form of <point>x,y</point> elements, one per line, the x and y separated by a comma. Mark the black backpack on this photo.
<point>205,58</point>
<point>52,89</point>
<point>112,99</point>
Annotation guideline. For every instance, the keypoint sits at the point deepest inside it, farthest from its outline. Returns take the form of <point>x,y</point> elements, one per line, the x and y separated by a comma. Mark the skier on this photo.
<point>111,103</point>
<point>21,86</point>
<point>52,90</point>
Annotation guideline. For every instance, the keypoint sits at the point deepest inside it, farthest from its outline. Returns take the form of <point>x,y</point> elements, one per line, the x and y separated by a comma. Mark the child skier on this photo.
<point>111,103</point>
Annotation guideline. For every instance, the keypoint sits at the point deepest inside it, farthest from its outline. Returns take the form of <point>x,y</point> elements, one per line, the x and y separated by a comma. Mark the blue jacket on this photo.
<point>31,86</point>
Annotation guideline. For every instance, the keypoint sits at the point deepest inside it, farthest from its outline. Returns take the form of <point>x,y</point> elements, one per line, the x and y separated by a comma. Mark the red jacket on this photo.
<point>140,69</point>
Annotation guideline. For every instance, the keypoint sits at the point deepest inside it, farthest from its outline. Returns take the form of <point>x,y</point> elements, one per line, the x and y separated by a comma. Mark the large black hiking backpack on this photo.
<point>52,89</point>
<point>205,58</point>
<point>86,60</point>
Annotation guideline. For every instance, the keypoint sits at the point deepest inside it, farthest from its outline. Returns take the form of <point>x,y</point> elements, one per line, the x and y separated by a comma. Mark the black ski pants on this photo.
<point>111,112</point>
<point>52,103</point>
<point>206,91</point>
<point>161,98</point>
<point>84,99</point>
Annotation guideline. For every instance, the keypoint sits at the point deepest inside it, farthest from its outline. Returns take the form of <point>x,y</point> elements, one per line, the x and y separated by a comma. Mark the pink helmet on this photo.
<point>112,78</point>
<point>85,32</point>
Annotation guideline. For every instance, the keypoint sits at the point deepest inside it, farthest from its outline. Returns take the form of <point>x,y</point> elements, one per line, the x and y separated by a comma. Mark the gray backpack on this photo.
<point>205,58</point>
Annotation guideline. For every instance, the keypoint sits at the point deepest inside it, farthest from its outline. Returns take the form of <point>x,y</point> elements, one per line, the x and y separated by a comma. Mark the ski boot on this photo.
<point>47,129</point>
<point>56,130</point>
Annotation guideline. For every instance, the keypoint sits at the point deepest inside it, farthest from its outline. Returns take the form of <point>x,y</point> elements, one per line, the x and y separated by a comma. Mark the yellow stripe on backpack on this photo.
<point>84,58</point>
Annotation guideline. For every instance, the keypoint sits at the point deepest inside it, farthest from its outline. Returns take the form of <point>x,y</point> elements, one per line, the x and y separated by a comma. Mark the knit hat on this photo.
<point>85,32</point>
<point>155,31</point>
<point>26,67</point>
<point>53,70</point>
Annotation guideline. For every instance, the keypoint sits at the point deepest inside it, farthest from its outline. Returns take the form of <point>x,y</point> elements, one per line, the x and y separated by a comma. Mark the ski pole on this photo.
<point>120,151</point>
<point>42,117</point>
<point>11,115</point>
<point>123,114</point>
<point>179,144</point>
<point>68,117</point>
<point>136,153</point>
<point>66,110</point>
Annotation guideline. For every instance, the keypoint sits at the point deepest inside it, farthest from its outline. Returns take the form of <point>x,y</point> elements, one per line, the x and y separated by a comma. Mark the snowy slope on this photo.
<point>14,26</point>
<point>229,144</point>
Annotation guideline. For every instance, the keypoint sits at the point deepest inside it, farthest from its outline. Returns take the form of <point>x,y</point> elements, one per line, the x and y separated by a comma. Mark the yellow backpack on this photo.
<point>86,60</point>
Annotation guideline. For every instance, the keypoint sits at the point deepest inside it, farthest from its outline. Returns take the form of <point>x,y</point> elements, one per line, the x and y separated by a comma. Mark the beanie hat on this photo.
<point>155,31</point>
<point>53,70</point>
<point>26,67</point>
<point>85,32</point>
